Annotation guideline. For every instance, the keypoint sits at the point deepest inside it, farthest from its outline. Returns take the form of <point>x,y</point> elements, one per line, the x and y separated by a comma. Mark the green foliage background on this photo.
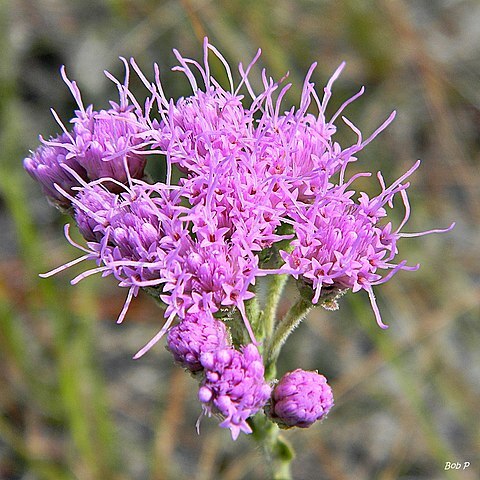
<point>74,405</point>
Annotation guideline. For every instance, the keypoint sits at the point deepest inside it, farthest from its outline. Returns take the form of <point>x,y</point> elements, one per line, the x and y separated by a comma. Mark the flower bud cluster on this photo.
<point>232,381</point>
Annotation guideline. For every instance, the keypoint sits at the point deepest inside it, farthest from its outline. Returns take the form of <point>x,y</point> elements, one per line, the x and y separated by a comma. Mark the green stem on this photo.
<point>292,319</point>
<point>277,283</point>
<point>278,451</point>
<point>254,315</point>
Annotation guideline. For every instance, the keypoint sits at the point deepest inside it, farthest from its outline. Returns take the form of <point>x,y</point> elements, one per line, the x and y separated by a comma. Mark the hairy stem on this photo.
<point>278,451</point>
<point>275,289</point>
<point>254,315</point>
<point>292,319</point>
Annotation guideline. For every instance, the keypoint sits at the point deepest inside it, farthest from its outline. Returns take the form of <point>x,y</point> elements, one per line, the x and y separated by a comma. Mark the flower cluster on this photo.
<point>262,191</point>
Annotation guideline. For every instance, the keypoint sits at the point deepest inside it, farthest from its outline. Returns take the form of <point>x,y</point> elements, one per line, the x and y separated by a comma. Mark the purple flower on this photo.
<point>109,144</point>
<point>234,386</point>
<point>195,335</point>
<point>143,232</point>
<point>341,243</point>
<point>102,145</point>
<point>134,235</point>
<point>207,276</point>
<point>300,398</point>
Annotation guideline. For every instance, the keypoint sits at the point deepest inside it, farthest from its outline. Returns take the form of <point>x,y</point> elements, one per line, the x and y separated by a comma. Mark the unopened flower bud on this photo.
<point>300,398</point>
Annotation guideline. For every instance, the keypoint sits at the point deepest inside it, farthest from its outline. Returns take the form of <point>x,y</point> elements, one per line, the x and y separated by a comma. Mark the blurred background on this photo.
<point>73,403</point>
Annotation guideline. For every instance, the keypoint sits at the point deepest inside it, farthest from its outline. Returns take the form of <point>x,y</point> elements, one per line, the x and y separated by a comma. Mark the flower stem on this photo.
<point>252,309</point>
<point>292,319</point>
<point>278,451</point>
<point>277,283</point>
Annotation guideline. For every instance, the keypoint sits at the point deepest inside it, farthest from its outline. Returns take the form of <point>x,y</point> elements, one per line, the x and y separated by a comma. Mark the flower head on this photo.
<point>234,386</point>
<point>210,120</point>
<point>101,145</point>
<point>207,277</point>
<point>134,231</point>
<point>300,398</point>
<point>343,244</point>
